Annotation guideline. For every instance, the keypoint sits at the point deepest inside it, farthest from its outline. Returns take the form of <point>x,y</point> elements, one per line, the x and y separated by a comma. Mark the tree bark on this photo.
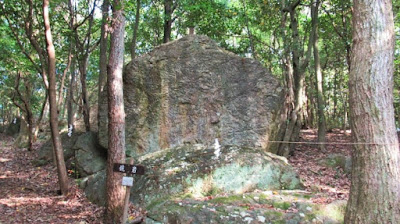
<point>70,99</point>
<point>135,30</point>
<point>168,10</point>
<point>299,66</point>
<point>103,55</point>
<point>116,117</point>
<point>85,47</point>
<point>375,186</point>
<point>58,150</point>
<point>318,77</point>
<point>61,89</point>
<point>26,110</point>
<point>85,99</point>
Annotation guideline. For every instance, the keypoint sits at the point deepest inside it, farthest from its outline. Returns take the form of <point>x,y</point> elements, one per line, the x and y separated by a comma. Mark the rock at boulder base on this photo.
<point>195,171</point>
<point>192,91</point>
<point>190,184</point>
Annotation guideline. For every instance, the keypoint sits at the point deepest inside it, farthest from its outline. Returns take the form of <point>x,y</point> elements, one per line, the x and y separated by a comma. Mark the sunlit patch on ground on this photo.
<point>28,194</point>
<point>3,160</point>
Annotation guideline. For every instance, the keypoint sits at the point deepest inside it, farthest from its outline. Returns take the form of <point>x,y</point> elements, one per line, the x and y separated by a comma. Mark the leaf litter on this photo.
<point>28,194</point>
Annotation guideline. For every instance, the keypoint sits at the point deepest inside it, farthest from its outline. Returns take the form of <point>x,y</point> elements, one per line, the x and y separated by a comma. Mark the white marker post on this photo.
<point>128,182</point>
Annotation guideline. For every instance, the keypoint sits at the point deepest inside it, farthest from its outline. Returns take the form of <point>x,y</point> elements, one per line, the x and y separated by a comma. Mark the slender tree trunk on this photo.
<point>318,76</point>
<point>58,150</point>
<point>375,186</point>
<point>26,110</point>
<point>2,117</point>
<point>168,10</point>
<point>116,117</point>
<point>85,99</point>
<point>70,100</point>
<point>135,30</point>
<point>103,57</point>
<point>61,90</point>
<point>39,120</point>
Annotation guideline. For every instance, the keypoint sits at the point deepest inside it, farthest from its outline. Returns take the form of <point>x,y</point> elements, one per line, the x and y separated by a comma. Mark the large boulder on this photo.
<point>196,171</point>
<point>337,160</point>
<point>13,128</point>
<point>192,91</point>
<point>81,151</point>
<point>90,158</point>
<point>45,152</point>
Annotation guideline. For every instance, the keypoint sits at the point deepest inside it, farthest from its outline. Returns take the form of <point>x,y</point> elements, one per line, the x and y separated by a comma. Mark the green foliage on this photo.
<point>250,28</point>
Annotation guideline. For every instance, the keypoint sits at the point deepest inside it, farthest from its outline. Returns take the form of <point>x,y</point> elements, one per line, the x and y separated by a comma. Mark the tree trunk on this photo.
<point>85,99</point>
<point>299,66</point>
<point>135,30</point>
<point>39,120</point>
<point>70,100</point>
<point>375,186</point>
<point>25,137</point>
<point>318,76</point>
<point>2,117</point>
<point>168,10</point>
<point>103,56</point>
<point>58,150</point>
<point>61,89</point>
<point>116,117</point>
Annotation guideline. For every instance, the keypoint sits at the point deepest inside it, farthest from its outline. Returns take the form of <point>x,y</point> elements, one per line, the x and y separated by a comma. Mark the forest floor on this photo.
<point>327,183</point>
<point>28,194</point>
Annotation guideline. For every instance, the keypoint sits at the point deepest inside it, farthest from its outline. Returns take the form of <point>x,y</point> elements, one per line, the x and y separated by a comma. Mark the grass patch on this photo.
<point>282,205</point>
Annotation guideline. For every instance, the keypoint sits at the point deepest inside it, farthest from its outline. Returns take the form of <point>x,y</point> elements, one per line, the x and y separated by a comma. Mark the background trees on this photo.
<point>306,44</point>
<point>282,42</point>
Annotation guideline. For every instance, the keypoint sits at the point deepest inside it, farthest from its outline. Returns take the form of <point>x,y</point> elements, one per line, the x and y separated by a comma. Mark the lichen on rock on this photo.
<point>192,91</point>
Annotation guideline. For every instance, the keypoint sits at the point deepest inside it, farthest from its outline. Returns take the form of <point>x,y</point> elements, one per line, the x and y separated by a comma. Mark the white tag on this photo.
<point>127,181</point>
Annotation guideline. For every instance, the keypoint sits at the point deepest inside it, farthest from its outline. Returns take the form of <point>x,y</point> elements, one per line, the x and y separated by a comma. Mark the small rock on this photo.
<point>248,219</point>
<point>261,219</point>
<point>244,214</point>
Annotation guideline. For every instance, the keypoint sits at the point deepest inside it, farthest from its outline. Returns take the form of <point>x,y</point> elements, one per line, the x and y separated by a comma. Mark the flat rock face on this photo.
<point>192,91</point>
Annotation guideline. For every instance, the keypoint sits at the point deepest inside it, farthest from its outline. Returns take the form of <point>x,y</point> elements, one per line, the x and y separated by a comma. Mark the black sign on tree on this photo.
<point>127,181</point>
<point>129,169</point>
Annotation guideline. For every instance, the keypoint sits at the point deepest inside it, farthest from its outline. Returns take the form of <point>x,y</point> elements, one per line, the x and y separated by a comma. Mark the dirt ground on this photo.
<point>28,194</point>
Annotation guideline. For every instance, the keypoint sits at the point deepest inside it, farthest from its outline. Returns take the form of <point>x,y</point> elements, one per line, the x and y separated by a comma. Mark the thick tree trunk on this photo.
<point>116,118</point>
<point>58,150</point>
<point>135,30</point>
<point>318,77</point>
<point>375,180</point>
